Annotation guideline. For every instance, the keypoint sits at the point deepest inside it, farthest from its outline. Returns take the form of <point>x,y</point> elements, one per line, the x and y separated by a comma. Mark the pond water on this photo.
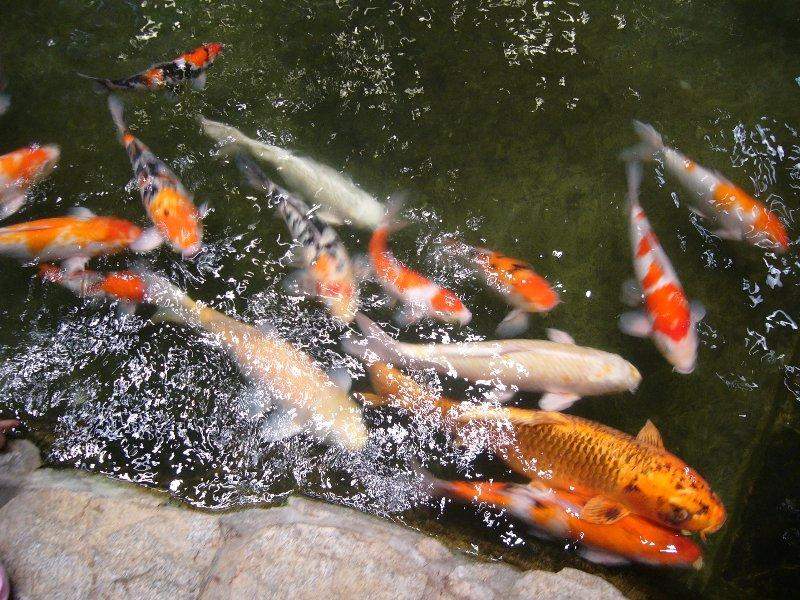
<point>500,120</point>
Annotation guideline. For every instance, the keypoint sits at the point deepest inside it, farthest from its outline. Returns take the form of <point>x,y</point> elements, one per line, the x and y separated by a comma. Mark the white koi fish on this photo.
<point>326,271</point>
<point>558,368</point>
<point>340,198</point>
<point>668,318</point>
<point>737,214</point>
<point>307,395</point>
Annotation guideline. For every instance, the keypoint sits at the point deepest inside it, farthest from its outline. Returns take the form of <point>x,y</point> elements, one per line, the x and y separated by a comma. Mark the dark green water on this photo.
<point>503,121</point>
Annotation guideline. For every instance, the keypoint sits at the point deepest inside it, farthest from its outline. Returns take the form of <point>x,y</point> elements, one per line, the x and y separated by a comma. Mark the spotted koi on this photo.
<point>21,169</point>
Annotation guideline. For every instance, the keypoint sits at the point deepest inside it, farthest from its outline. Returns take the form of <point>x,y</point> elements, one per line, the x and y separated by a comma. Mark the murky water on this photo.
<point>502,121</point>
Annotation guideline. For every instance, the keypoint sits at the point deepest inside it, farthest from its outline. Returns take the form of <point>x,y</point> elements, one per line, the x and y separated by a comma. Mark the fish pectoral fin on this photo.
<point>341,378</point>
<point>728,234</point>
<point>149,240</point>
<point>81,212</point>
<point>631,293</point>
<point>125,309</point>
<point>559,337</point>
<point>501,395</point>
<point>279,425</point>
<point>603,511</point>
<point>204,209</point>
<point>74,264</point>
<point>407,315</point>
<point>199,82</point>
<point>254,400</point>
<point>649,434</point>
<point>700,214</point>
<point>515,323</point>
<point>635,323</point>
<point>329,217</point>
<point>297,283</point>
<point>698,311</point>
<point>555,401</point>
<point>11,200</point>
<point>601,557</point>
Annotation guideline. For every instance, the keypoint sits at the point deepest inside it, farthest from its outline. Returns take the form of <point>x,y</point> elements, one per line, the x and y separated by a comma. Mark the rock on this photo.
<point>73,535</point>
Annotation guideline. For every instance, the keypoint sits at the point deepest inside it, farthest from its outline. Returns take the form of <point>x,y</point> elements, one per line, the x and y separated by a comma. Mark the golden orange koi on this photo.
<point>21,169</point>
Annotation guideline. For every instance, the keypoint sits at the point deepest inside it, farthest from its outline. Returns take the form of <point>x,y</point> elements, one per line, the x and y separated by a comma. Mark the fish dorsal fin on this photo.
<point>649,434</point>
<point>559,337</point>
<point>603,511</point>
<point>517,416</point>
<point>81,212</point>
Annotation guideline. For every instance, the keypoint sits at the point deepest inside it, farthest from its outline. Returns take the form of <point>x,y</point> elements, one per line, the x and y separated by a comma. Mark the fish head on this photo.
<point>348,430</point>
<point>687,502</point>
<point>213,49</point>
<point>179,221</point>
<point>681,353</point>
<point>336,286</point>
<point>449,307</point>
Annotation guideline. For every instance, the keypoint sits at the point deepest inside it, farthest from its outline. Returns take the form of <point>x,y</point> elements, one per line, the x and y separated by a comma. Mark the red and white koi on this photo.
<point>513,279</point>
<point>669,319</point>
<point>419,296</point>
<point>188,67</point>
<point>326,270</point>
<point>168,204</point>
<point>738,215</point>
<point>21,169</point>
<point>74,238</point>
<point>124,286</point>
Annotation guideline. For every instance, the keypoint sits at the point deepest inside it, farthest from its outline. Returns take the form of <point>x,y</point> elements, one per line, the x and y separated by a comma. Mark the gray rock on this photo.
<point>73,535</point>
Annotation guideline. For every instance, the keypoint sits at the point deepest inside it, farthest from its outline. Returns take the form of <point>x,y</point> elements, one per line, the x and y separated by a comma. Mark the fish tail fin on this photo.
<point>174,305</point>
<point>394,206</point>
<point>99,84</point>
<point>633,173</point>
<point>428,482</point>
<point>50,272</point>
<point>117,110</point>
<point>650,143</point>
<point>376,344</point>
<point>221,132</point>
<point>254,175</point>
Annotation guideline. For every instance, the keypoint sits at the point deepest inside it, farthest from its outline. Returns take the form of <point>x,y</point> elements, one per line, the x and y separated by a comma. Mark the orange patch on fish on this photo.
<point>645,245</point>
<point>670,311</point>
<point>124,285</point>
<point>729,197</point>
<point>177,217</point>
<point>653,276</point>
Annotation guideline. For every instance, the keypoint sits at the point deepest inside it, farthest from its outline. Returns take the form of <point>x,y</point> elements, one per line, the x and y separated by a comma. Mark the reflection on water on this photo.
<point>502,121</point>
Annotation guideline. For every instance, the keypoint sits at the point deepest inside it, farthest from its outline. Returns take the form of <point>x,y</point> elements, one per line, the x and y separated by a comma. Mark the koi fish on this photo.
<point>73,239</point>
<point>668,318</point>
<point>420,297</point>
<point>617,473</point>
<point>309,398</point>
<point>21,169</point>
<point>556,513</point>
<point>188,67</point>
<point>326,271</point>
<point>124,286</point>
<point>738,215</point>
<point>514,280</point>
<point>339,198</point>
<point>167,203</point>
<point>561,370</point>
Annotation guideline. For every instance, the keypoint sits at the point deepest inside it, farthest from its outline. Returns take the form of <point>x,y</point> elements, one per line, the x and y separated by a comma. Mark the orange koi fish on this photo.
<point>514,280</point>
<point>125,286</point>
<point>188,67</point>
<point>617,473</point>
<point>326,271</point>
<point>73,239</point>
<point>420,296</point>
<point>738,215</point>
<point>668,317</point>
<point>21,169</point>
<point>167,203</point>
<point>556,513</point>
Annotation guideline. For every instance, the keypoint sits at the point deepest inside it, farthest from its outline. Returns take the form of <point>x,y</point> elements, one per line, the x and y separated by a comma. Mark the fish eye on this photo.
<point>678,515</point>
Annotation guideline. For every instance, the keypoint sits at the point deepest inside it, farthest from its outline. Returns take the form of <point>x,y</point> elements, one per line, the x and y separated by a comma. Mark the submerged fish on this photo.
<point>73,239</point>
<point>309,399</point>
<point>125,286</point>
<point>561,370</point>
<point>167,203</point>
<point>556,513</point>
<point>738,215</point>
<point>21,169</point>
<point>616,473</point>
<point>188,67</point>
<point>420,297</point>
<point>326,271</point>
<point>513,279</point>
<point>668,318</point>
<point>340,198</point>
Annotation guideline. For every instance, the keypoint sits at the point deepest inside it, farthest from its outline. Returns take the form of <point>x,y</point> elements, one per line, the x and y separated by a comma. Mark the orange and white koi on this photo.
<point>325,268</point>
<point>668,319</point>
<point>514,280</point>
<point>738,215</point>
<point>556,513</point>
<point>420,297</point>
<point>73,239</point>
<point>188,67</point>
<point>124,286</point>
<point>21,169</point>
<point>168,204</point>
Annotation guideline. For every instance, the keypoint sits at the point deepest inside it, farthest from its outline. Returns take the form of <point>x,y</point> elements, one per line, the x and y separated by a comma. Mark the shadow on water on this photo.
<point>503,121</point>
